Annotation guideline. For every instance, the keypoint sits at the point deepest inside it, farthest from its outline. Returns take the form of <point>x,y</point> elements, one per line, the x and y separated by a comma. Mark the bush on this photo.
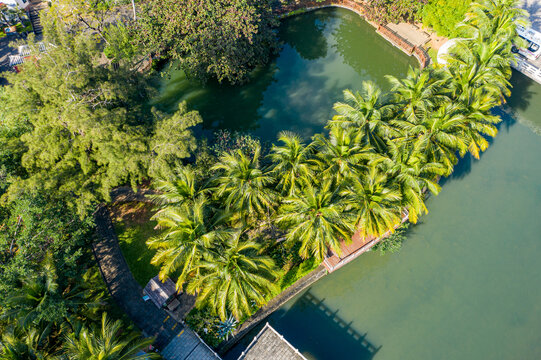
<point>394,11</point>
<point>226,141</point>
<point>394,242</point>
<point>202,322</point>
<point>444,15</point>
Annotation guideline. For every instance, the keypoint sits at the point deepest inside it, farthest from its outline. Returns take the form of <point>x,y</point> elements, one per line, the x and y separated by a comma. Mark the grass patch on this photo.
<point>433,55</point>
<point>289,276</point>
<point>133,227</point>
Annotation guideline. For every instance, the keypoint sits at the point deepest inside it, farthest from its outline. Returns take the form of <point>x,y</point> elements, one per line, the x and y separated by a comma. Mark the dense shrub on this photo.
<point>444,15</point>
<point>390,11</point>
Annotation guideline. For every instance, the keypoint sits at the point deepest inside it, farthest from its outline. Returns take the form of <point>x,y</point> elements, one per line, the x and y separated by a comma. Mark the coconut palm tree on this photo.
<point>375,201</point>
<point>495,19</point>
<point>18,343</point>
<point>235,277</point>
<point>408,168</point>
<point>480,122</point>
<point>242,184</point>
<point>110,341</point>
<point>342,154</point>
<point>190,232</point>
<point>366,111</point>
<point>290,162</point>
<point>315,217</point>
<point>440,135</point>
<point>41,301</point>
<point>182,189</point>
<point>418,93</point>
<point>476,64</point>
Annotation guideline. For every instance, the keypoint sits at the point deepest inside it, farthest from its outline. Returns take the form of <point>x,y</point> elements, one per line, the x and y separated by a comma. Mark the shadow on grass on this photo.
<point>133,227</point>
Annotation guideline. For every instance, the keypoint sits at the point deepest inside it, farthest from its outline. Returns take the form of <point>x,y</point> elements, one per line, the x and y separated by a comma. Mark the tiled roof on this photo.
<point>270,345</point>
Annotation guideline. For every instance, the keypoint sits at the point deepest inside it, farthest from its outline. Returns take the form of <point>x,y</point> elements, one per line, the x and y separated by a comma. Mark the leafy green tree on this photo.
<point>120,45</point>
<point>291,162</point>
<point>444,15</point>
<point>172,140</point>
<point>315,217</point>
<point>394,11</point>
<point>87,128</point>
<point>236,278</point>
<point>224,39</point>
<point>243,185</point>
<point>110,341</point>
<point>34,225</point>
<point>375,200</point>
<point>191,231</point>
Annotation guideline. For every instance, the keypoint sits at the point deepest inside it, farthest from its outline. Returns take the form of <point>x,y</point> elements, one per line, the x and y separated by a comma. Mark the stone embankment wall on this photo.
<point>359,7</point>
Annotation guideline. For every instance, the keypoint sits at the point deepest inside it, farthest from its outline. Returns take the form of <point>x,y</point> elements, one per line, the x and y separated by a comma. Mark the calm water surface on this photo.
<point>466,284</point>
<point>323,53</point>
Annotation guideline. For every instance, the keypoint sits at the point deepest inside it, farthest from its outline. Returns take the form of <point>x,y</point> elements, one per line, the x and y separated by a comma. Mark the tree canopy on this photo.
<point>444,15</point>
<point>223,39</point>
<point>79,127</point>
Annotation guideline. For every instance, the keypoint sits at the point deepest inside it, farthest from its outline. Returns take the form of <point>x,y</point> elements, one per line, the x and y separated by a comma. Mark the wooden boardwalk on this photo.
<point>352,250</point>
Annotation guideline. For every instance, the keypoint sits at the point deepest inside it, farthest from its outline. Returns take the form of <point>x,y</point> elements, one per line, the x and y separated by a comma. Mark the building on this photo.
<point>270,345</point>
<point>529,58</point>
<point>21,4</point>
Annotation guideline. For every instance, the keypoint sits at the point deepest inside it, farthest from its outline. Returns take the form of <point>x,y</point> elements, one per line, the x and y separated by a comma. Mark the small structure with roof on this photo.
<point>162,293</point>
<point>270,345</point>
<point>165,296</point>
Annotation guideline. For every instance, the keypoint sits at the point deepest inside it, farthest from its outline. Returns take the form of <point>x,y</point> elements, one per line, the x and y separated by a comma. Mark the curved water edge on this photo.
<point>324,52</point>
<point>394,38</point>
<point>466,283</point>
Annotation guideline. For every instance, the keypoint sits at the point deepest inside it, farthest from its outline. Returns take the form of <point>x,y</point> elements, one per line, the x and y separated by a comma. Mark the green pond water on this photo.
<point>323,53</point>
<point>467,282</point>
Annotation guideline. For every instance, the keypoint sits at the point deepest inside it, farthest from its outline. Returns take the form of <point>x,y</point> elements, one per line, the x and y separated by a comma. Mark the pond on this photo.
<point>467,282</point>
<point>323,53</point>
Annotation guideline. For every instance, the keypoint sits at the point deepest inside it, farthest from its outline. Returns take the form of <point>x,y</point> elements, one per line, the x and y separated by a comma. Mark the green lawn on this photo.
<point>133,226</point>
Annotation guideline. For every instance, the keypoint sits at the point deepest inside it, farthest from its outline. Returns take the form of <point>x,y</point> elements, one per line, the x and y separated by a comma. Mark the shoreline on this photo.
<point>323,269</point>
<point>385,32</point>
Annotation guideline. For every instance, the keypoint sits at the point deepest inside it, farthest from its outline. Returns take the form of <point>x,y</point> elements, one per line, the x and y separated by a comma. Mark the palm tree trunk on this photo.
<point>133,5</point>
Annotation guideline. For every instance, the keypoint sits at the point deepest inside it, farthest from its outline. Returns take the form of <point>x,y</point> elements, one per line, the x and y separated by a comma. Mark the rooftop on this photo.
<point>270,345</point>
<point>160,292</point>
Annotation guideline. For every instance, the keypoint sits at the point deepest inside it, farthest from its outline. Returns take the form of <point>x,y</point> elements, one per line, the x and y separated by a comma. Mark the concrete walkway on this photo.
<point>177,341</point>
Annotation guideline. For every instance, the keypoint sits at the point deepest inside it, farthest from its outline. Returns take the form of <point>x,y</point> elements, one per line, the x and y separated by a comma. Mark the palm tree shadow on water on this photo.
<point>316,330</point>
<point>518,101</point>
